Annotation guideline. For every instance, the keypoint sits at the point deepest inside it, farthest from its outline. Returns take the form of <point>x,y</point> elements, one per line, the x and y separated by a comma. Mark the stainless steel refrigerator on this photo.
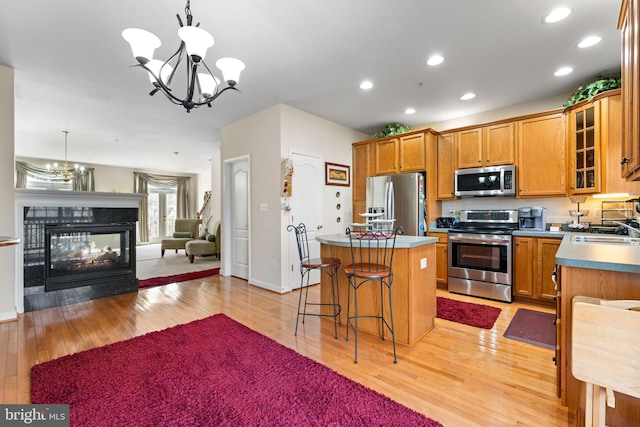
<point>400,196</point>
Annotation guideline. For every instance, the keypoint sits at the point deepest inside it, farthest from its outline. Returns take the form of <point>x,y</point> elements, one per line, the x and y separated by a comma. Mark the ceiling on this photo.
<point>72,67</point>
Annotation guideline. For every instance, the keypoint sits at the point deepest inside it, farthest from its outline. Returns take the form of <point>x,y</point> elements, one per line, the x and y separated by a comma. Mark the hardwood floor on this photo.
<point>458,375</point>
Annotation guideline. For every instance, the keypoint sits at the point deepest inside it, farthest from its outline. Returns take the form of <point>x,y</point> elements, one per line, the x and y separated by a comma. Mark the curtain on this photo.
<point>23,170</point>
<point>141,182</point>
<point>140,186</point>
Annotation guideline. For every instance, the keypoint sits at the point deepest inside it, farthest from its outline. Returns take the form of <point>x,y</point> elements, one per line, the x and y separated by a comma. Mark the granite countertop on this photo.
<point>598,255</point>
<point>401,241</point>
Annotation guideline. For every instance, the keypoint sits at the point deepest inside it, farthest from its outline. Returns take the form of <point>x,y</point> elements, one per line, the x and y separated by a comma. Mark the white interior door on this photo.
<point>306,207</point>
<point>240,219</point>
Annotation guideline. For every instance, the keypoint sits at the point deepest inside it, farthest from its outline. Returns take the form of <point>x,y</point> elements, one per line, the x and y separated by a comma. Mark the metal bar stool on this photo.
<point>327,265</point>
<point>372,259</point>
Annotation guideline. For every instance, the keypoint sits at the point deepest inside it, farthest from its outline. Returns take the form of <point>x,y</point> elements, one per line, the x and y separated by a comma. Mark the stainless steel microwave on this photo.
<point>491,181</point>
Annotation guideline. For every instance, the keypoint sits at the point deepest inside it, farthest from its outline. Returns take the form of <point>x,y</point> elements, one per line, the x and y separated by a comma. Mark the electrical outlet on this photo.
<point>423,263</point>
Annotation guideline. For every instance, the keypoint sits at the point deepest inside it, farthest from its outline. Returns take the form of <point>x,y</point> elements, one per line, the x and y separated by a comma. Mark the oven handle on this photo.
<point>482,241</point>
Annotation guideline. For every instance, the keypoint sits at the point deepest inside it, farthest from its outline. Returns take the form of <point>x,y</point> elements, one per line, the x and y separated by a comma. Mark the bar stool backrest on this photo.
<point>372,250</point>
<point>302,241</point>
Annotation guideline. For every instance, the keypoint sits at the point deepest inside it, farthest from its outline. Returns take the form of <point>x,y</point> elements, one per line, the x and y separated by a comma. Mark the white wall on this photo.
<point>267,137</point>
<point>8,254</point>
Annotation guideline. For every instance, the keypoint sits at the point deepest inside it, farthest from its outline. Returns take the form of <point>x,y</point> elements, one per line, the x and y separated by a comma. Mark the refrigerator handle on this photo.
<point>388,201</point>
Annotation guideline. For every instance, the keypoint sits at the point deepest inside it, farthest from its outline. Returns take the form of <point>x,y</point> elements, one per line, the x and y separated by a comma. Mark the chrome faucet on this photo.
<point>633,229</point>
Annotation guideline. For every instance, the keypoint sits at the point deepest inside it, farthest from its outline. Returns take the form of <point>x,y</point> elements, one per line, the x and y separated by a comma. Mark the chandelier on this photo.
<point>202,87</point>
<point>65,173</point>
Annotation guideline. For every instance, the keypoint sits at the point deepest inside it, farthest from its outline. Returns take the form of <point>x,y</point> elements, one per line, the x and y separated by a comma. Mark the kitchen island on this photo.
<point>599,266</point>
<point>413,289</point>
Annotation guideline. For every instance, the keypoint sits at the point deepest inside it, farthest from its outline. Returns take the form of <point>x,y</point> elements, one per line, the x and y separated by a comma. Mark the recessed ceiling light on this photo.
<point>410,111</point>
<point>467,96</point>
<point>563,71</point>
<point>557,14</point>
<point>589,41</point>
<point>435,60</point>
<point>366,85</point>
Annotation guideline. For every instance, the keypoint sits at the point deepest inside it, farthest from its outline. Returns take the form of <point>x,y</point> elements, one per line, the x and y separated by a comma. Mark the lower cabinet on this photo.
<point>442,261</point>
<point>534,263</point>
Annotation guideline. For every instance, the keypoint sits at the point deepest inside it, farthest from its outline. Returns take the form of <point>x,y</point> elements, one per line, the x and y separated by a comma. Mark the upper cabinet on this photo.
<point>542,163</point>
<point>361,164</point>
<point>584,126</point>
<point>446,166</point>
<point>405,153</point>
<point>594,132</point>
<point>628,24</point>
<point>486,146</point>
<point>499,144</point>
<point>470,148</point>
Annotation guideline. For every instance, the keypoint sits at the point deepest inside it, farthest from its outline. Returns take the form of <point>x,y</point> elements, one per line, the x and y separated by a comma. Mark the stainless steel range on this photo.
<point>480,254</point>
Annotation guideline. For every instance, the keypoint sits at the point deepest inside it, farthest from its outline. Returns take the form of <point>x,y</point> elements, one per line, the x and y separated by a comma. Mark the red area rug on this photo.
<point>210,372</point>
<point>468,313</point>
<point>533,327</point>
<point>156,281</point>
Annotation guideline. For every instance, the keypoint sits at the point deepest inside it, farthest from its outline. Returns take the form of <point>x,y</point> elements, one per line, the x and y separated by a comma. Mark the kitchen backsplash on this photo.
<point>557,207</point>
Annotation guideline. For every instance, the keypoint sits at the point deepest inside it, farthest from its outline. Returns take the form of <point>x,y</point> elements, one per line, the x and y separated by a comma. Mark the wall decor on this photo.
<point>335,174</point>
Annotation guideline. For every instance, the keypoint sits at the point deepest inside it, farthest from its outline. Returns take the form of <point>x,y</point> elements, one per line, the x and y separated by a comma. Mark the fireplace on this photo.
<point>76,253</point>
<point>89,254</point>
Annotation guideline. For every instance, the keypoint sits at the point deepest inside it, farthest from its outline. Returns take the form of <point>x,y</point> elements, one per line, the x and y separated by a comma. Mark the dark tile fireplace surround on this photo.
<point>75,254</point>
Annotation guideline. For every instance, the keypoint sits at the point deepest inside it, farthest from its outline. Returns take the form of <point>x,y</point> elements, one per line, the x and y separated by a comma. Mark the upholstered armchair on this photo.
<point>185,230</point>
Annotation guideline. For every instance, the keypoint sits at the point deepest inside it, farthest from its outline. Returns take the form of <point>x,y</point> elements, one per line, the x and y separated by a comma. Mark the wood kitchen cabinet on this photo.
<point>542,158</point>
<point>628,22</point>
<point>584,131</point>
<point>446,166</point>
<point>534,263</point>
<point>361,164</point>
<point>499,144</point>
<point>604,284</point>
<point>469,148</point>
<point>594,131</point>
<point>486,146</point>
<point>406,153</point>
<point>442,259</point>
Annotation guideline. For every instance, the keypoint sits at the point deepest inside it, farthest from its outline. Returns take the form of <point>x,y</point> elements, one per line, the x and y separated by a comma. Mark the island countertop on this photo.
<point>598,256</point>
<point>402,241</point>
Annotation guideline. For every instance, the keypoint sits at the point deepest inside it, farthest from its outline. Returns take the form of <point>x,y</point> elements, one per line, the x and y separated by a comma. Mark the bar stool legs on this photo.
<point>352,320</point>
<point>331,269</point>
<point>327,265</point>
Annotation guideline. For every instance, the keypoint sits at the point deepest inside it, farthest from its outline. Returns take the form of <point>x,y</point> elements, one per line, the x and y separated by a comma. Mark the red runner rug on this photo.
<point>156,281</point>
<point>210,372</point>
<point>468,313</point>
<point>533,327</point>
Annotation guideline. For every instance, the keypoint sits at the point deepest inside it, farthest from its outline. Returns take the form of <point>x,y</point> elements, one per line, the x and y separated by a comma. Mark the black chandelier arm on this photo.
<point>159,85</point>
<point>179,53</point>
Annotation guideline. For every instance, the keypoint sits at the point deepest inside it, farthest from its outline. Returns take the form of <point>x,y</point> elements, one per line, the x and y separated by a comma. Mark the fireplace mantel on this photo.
<point>28,198</point>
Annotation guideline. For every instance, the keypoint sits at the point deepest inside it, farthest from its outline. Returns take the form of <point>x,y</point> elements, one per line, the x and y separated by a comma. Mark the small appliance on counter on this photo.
<point>445,222</point>
<point>532,218</point>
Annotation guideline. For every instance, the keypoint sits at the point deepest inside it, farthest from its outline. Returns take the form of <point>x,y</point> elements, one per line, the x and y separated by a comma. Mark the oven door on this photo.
<point>480,265</point>
<point>484,257</point>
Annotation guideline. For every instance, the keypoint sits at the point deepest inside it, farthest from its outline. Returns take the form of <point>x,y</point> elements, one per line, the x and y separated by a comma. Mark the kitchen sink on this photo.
<point>616,240</point>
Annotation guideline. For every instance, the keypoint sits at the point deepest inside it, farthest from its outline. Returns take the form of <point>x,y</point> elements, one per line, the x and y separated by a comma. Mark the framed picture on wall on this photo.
<point>335,174</point>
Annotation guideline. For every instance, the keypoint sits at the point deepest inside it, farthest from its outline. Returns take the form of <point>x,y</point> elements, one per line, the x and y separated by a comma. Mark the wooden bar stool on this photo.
<point>371,261</point>
<point>329,266</point>
<point>605,336</point>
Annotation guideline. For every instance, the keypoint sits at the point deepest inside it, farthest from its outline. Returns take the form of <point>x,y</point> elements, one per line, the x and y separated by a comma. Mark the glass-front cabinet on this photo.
<point>584,142</point>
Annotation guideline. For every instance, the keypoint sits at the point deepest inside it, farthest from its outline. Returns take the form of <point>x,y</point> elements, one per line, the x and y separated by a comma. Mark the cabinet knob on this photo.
<point>479,160</point>
<point>624,160</point>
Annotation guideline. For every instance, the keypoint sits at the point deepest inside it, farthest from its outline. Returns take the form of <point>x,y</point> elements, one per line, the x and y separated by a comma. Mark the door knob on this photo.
<point>318,227</point>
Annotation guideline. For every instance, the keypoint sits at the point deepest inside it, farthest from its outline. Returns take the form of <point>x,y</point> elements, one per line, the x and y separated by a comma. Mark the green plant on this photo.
<point>602,83</point>
<point>391,129</point>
